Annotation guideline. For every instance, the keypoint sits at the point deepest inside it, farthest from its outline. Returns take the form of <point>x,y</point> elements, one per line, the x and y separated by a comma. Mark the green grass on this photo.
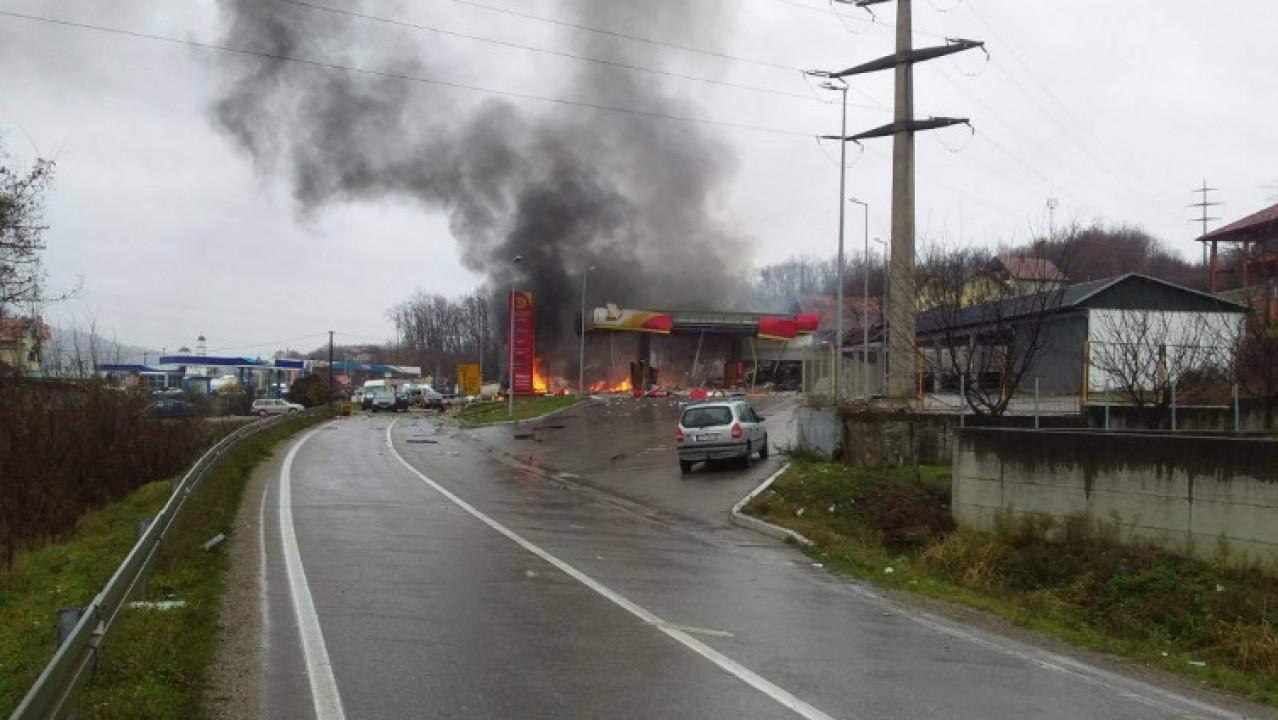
<point>525,408</point>
<point>1082,586</point>
<point>154,664</point>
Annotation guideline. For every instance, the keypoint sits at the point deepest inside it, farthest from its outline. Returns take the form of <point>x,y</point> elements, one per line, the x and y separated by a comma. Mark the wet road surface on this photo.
<point>444,573</point>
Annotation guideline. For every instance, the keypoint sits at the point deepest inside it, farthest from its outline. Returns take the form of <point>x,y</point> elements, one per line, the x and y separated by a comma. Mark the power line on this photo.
<point>547,51</point>
<point>1064,108</point>
<point>265,344</point>
<point>624,36</point>
<point>408,78</point>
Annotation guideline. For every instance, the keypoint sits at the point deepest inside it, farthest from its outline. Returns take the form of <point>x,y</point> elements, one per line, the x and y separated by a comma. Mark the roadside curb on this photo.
<point>470,426</point>
<point>774,531</point>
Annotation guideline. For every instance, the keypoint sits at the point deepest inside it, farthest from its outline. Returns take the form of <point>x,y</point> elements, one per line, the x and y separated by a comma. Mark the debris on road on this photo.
<point>523,436</point>
<point>422,441</point>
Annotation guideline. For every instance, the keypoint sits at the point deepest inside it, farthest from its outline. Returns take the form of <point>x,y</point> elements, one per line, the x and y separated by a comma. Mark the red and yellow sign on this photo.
<point>777,328</point>
<point>615,318</point>
<point>523,351</point>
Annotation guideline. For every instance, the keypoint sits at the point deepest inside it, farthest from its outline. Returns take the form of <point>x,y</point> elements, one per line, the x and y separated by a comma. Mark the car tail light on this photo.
<point>678,434</point>
<point>736,431</point>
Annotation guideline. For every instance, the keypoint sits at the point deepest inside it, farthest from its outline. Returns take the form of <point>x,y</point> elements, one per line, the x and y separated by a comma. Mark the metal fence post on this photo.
<point>1036,421</point>
<point>1173,407</point>
<point>65,620</point>
<point>1237,414</point>
<point>962,400</point>
<point>1107,405</point>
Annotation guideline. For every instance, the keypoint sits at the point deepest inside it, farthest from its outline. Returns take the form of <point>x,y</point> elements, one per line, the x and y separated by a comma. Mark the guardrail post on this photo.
<point>65,621</point>
<point>144,590</point>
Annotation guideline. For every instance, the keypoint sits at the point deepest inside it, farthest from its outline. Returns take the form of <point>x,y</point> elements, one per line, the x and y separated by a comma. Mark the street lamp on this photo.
<point>886,286</point>
<point>581,352</point>
<point>841,87</point>
<point>865,304</point>
<point>510,340</point>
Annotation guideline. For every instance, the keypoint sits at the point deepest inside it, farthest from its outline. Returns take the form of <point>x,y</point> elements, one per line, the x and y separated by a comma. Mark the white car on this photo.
<point>729,430</point>
<point>267,406</point>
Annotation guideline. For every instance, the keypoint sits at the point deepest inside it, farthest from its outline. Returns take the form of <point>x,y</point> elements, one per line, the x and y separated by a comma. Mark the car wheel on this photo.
<point>749,455</point>
<point>262,413</point>
<point>292,410</point>
<point>763,451</point>
<point>685,466</point>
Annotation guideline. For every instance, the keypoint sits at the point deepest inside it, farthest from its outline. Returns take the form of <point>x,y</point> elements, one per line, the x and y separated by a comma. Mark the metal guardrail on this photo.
<point>54,692</point>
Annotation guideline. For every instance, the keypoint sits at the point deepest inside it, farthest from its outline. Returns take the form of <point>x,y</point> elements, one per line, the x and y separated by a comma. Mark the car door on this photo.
<point>753,424</point>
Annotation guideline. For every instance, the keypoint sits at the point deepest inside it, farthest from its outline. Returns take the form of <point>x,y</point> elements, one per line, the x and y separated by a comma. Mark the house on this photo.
<point>1003,277</point>
<point>22,344</point>
<point>1024,275</point>
<point>1249,272</point>
<point>1130,329</point>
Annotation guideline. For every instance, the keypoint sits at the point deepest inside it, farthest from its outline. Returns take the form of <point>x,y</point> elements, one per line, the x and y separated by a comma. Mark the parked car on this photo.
<point>170,409</point>
<point>729,430</point>
<point>269,406</point>
<point>431,399</point>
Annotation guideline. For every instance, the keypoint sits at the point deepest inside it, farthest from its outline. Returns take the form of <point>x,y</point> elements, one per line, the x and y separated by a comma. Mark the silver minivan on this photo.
<point>729,430</point>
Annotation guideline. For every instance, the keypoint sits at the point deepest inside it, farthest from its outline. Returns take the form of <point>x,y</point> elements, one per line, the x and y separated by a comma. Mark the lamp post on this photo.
<point>842,87</point>
<point>865,304</point>
<point>510,340</point>
<point>885,307</point>
<point>581,352</point>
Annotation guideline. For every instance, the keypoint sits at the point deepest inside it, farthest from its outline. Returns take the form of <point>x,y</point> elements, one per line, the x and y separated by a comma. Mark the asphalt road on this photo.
<point>575,573</point>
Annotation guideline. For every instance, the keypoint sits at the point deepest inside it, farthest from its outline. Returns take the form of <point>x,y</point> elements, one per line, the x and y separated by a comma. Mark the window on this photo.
<point>700,417</point>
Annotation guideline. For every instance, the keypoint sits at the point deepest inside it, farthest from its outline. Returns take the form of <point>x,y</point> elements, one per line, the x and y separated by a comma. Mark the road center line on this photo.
<point>763,685</point>
<point>328,702</point>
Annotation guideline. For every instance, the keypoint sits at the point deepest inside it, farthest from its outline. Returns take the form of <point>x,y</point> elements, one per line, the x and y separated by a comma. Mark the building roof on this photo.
<point>1262,225</point>
<point>1030,268</point>
<point>1132,291</point>
<point>13,329</point>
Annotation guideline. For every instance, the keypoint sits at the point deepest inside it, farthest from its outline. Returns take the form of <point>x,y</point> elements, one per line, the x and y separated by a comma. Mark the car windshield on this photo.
<point>700,417</point>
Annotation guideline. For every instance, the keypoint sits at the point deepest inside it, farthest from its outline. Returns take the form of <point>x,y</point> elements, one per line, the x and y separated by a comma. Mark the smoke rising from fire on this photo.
<point>565,188</point>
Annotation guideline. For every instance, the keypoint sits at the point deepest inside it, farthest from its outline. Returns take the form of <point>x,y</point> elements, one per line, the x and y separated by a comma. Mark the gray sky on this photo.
<point>1118,109</point>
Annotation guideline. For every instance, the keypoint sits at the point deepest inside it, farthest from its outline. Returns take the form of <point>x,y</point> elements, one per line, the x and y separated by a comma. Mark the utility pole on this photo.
<point>330,365</point>
<point>865,302</point>
<point>1052,204</point>
<point>1204,204</point>
<point>902,345</point>
<point>510,341</point>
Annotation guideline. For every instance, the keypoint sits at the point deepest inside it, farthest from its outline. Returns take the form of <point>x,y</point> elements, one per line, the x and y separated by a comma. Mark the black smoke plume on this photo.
<point>566,188</point>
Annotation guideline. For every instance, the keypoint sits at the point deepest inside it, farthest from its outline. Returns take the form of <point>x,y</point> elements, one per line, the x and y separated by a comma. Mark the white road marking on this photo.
<point>328,702</point>
<point>763,685</point>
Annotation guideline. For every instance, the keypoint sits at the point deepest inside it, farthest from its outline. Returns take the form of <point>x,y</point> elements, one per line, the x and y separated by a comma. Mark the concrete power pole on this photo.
<point>902,346</point>
<point>1204,205</point>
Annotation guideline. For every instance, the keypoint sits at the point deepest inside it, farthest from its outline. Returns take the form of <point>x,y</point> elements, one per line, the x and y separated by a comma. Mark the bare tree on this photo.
<point>1150,357</point>
<point>983,338</point>
<point>21,233</point>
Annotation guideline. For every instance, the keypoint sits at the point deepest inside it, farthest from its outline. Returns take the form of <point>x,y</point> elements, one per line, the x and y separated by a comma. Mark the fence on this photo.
<point>54,692</point>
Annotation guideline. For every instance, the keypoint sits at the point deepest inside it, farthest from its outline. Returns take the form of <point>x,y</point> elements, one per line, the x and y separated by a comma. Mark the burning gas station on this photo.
<point>658,352</point>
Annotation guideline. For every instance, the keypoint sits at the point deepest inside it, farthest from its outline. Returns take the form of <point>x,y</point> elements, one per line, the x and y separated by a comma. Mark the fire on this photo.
<point>539,382</point>
<point>606,387</point>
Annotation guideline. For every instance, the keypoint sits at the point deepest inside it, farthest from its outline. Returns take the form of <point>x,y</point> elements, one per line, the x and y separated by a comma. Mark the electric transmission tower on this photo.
<point>902,347</point>
<point>1205,204</point>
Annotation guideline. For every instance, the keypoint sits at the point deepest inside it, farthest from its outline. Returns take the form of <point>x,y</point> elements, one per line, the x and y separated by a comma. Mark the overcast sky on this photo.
<point>1117,109</point>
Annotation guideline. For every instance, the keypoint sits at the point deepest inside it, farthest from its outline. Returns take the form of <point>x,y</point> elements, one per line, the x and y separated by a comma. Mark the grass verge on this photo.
<point>1205,620</point>
<point>154,664</point>
<point>525,408</point>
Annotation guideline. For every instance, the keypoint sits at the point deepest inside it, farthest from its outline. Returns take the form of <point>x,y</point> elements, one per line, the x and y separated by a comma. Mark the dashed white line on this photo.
<point>763,685</point>
<point>324,694</point>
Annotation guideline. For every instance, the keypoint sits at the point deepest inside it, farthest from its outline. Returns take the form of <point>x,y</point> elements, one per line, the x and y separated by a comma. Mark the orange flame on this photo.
<point>539,382</point>
<point>606,387</point>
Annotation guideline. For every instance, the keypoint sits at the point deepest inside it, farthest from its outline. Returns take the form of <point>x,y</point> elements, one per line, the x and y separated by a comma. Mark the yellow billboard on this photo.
<point>468,381</point>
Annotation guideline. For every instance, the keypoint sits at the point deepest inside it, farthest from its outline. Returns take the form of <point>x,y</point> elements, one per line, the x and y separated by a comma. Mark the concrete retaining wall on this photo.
<point>1194,495</point>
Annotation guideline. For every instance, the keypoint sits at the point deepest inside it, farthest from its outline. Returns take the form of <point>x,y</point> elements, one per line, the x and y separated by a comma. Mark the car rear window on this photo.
<point>699,417</point>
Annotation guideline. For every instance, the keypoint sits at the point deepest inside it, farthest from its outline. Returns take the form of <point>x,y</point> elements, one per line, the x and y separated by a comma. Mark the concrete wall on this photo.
<point>1190,494</point>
